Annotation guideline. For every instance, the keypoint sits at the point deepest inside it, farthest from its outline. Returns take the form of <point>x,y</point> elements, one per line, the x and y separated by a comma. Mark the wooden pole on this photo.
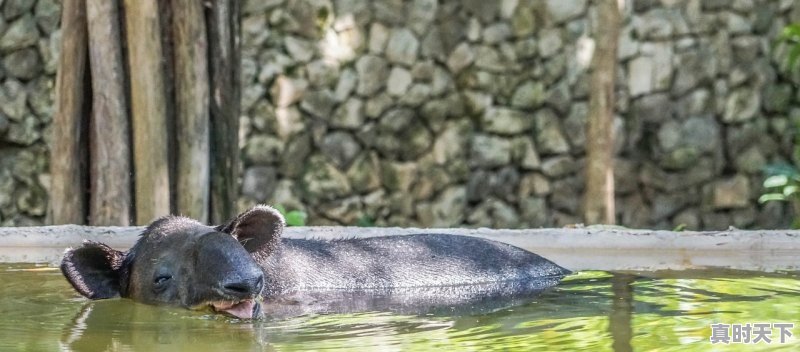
<point>192,108</point>
<point>224,44</point>
<point>67,196</point>
<point>110,199</point>
<point>599,192</point>
<point>148,108</point>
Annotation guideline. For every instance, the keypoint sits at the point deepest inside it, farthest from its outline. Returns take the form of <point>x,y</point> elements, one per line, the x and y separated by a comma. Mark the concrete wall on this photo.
<point>471,113</point>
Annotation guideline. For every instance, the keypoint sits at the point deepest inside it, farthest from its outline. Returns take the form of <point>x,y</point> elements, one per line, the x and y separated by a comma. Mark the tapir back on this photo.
<point>395,263</point>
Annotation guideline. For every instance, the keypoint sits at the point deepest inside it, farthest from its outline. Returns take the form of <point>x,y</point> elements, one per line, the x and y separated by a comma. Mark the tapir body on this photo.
<point>179,261</point>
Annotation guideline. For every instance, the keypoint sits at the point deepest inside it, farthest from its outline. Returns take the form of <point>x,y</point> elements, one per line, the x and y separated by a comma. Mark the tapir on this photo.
<point>241,267</point>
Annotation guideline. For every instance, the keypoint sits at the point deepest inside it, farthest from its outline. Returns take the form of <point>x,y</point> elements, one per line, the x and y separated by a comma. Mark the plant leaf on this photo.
<point>296,218</point>
<point>769,197</point>
<point>789,190</point>
<point>776,181</point>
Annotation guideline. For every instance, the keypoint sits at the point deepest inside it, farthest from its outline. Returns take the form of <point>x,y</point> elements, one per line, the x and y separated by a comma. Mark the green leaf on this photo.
<point>296,218</point>
<point>776,181</point>
<point>280,209</point>
<point>789,190</point>
<point>781,169</point>
<point>769,197</point>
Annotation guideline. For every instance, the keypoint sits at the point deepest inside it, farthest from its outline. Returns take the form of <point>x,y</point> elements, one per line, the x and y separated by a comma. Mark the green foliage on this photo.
<point>293,217</point>
<point>365,221</point>
<point>782,184</point>
<point>791,36</point>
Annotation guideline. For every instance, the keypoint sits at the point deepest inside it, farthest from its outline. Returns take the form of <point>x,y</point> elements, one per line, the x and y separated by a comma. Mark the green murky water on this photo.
<point>592,311</point>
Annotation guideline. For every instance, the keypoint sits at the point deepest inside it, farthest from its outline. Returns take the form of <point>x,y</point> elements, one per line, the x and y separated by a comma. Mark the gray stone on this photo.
<point>4,124</point>
<point>692,69</point>
<point>530,94</point>
<point>489,151</point>
<point>364,174</point>
<point>349,115</point>
<point>344,211</point>
<point>549,137</point>
<point>323,181</point>
<point>479,185</point>
<point>402,47</point>
<point>496,33</point>
<point>523,23</point>
<point>376,105</point>
<point>12,99</point>
<point>346,84</point>
<point>286,91</point>
<point>372,74</point>
<point>534,185</point>
<point>40,99</point>
<point>526,48</point>
<point>777,98</point>
<point>49,49</point>
<point>340,148</point>
<point>576,125</point>
<point>301,50</point>
<point>559,166</point>
<point>488,58</point>
<point>318,103</point>
<point>460,58</point>
<point>432,45</point>
<point>398,82</point>
<point>259,183</point>
<point>559,97</point>
<point>48,13</point>
<point>505,184</point>
<point>20,34</point>
<point>295,154</point>
<point>731,193</point>
<point>477,102</point>
<point>506,121</point>
<point>486,11</point>
<point>742,104</point>
<point>262,150</point>
<point>416,95</point>
<point>534,212</point>
<point>447,209</point>
<point>422,13</point>
<point>322,73</point>
<point>652,108</point>
<point>398,177</point>
<point>751,161</point>
<point>494,213</point>
<point>667,205</point>
<point>378,37</point>
<point>451,143</point>
<point>560,11</point>
<point>640,75</point>
<point>525,154</point>
<point>16,8</point>
<point>25,132</point>
<point>550,42</point>
<point>399,134</point>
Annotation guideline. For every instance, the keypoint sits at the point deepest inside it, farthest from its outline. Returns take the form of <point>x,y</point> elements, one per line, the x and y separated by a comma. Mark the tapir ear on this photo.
<point>258,229</point>
<point>93,269</point>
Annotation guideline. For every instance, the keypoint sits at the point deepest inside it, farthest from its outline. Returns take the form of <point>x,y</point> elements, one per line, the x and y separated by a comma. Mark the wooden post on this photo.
<point>148,108</point>
<point>110,199</point>
<point>598,204</point>
<point>67,192</point>
<point>224,43</point>
<point>192,108</point>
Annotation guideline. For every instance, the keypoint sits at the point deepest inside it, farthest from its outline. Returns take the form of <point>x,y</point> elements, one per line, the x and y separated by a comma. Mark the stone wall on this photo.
<point>467,113</point>
<point>471,113</point>
<point>29,41</point>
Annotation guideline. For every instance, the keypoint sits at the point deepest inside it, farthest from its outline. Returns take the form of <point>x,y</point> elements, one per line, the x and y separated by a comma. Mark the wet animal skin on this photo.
<point>233,267</point>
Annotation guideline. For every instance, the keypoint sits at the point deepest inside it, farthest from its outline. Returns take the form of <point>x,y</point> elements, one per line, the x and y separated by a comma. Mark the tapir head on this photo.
<point>179,261</point>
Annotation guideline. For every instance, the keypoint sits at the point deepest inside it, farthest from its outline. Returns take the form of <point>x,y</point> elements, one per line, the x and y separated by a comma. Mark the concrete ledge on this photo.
<point>589,248</point>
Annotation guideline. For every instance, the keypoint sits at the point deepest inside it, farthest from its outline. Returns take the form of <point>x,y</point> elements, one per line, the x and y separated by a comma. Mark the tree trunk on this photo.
<point>192,108</point>
<point>224,44</point>
<point>148,109</point>
<point>67,192</point>
<point>598,202</point>
<point>110,199</point>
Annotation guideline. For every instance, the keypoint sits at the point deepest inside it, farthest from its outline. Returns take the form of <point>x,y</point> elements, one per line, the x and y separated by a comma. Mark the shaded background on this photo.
<point>466,113</point>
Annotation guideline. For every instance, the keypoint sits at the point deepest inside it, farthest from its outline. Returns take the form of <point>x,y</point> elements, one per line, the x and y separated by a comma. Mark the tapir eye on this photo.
<point>160,282</point>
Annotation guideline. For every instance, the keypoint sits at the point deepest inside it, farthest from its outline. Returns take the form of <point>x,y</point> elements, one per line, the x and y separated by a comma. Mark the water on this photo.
<point>592,311</point>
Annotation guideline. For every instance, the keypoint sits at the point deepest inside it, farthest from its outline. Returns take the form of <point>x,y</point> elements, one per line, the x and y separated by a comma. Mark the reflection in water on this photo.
<point>589,311</point>
<point>621,312</point>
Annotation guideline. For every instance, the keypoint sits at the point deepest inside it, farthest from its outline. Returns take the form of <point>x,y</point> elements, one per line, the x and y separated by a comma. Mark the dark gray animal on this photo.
<point>179,261</point>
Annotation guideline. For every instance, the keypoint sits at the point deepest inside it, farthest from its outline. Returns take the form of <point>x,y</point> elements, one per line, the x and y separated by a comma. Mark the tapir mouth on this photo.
<point>244,309</point>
